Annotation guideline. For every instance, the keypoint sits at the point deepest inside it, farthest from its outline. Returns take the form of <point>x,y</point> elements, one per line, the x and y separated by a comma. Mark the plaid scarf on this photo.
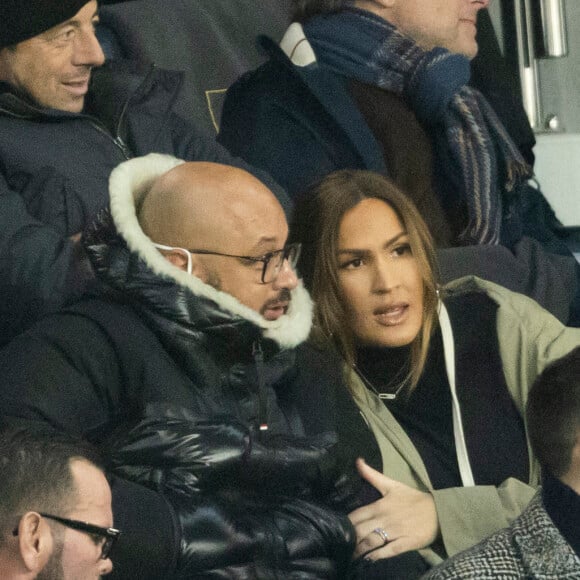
<point>475,159</point>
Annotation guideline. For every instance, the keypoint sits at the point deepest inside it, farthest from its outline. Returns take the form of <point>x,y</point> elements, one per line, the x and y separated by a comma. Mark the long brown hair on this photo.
<point>316,224</point>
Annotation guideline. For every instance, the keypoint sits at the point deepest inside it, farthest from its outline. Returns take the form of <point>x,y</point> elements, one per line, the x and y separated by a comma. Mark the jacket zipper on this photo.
<point>460,443</point>
<point>118,141</point>
<point>262,397</point>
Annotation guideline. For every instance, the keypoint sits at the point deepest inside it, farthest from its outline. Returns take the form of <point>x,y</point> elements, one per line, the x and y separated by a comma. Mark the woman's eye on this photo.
<point>352,264</point>
<point>402,250</point>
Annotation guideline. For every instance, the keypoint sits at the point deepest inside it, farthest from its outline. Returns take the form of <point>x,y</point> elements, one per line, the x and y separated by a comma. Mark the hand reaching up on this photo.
<point>403,519</point>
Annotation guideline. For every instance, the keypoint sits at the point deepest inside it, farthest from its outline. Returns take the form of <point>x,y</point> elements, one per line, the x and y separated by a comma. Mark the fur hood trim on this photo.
<point>128,183</point>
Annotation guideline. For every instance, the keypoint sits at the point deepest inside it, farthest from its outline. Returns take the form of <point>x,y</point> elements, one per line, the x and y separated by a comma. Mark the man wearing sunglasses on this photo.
<point>191,370</point>
<point>55,513</point>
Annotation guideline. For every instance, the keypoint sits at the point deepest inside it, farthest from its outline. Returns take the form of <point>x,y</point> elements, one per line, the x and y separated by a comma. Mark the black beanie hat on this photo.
<point>23,19</point>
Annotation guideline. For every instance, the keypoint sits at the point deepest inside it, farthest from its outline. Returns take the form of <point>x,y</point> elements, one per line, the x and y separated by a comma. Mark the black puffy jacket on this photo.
<point>175,384</point>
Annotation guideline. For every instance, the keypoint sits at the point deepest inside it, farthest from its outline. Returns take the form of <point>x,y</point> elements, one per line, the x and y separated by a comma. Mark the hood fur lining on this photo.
<point>128,184</point>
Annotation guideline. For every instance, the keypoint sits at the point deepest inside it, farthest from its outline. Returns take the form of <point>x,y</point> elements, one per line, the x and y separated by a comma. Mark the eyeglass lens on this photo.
<point>273,266</point>
<point>107,547</point>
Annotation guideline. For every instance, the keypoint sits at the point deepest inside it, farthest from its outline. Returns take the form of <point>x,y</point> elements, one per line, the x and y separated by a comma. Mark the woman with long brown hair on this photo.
<point>440,374</point>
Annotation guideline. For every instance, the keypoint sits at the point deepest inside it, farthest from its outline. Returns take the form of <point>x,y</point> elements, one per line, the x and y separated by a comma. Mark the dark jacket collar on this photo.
<point>331,91</point>
<point>112,86</point>
<point>17,104</point>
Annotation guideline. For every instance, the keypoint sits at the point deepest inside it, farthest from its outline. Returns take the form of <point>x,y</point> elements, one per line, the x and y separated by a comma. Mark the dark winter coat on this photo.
<point>299,123</point>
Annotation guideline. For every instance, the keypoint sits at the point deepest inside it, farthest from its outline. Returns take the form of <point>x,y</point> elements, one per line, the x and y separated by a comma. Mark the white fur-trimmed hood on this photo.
<point>127,185</point>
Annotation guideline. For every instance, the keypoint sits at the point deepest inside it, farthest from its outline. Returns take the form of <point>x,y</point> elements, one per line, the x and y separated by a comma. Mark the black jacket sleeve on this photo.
<point>190,455</point>
<point>226,486</point>
<point>245,537</point>
<point>243,500</point>
<point>41,268</point>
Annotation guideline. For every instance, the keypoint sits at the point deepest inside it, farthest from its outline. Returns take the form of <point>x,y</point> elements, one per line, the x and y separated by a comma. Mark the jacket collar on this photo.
<point>112,86</point>
<point>184,295</point>
<point>16,104</point>
<point>296,54</point>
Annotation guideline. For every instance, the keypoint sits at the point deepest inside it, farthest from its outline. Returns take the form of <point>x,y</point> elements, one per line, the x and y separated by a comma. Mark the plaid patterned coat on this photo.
<point>531,548</point>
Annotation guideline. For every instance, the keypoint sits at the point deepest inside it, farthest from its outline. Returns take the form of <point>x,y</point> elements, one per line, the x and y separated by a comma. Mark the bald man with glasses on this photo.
<point>192,372</point>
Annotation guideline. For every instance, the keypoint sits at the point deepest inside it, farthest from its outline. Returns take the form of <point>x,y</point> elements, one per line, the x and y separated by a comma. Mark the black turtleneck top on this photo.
<point>494,429</point>
<point>425,414</point>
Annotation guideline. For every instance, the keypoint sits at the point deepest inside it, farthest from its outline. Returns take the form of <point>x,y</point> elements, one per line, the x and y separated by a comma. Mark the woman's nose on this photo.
<point>384,276</point>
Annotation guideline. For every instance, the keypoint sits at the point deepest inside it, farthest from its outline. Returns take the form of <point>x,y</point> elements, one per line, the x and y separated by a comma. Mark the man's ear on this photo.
<point>180,259</point>
<point>177,258</point>
<point>35,542</point>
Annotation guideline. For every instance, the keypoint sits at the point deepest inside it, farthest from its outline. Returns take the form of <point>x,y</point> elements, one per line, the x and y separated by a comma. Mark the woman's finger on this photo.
<point>392,548</point>
<point>365,513</point>
<point>374,540</point>
<point>378,480</point>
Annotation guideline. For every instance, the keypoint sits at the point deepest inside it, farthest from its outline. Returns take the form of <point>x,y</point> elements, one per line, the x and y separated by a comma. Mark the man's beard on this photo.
<point>214,280</point>
<point>53,569</point>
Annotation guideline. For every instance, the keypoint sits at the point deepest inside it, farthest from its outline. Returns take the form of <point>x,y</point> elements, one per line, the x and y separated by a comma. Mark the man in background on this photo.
<point>383,85</point>
<point>55,509</point>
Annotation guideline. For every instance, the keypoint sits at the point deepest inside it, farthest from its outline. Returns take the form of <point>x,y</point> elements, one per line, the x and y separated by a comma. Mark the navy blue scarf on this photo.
<point>475,158</point>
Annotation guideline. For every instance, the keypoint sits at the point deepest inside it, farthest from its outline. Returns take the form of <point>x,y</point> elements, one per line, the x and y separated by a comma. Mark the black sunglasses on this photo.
<point>110,535</point>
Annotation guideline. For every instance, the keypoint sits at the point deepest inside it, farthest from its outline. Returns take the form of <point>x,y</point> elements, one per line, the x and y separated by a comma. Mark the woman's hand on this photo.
<point>408,517</point>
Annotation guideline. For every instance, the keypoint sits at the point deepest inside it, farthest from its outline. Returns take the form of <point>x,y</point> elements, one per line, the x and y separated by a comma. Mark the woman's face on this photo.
<point>379,277</point>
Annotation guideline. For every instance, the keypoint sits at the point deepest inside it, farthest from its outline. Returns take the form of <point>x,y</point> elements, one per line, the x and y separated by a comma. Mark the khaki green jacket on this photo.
<point>529,339</point>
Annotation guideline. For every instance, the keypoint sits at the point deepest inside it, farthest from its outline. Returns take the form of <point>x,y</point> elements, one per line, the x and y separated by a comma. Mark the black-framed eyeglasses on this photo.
<point>110,535</point>
<point>272,261</point>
